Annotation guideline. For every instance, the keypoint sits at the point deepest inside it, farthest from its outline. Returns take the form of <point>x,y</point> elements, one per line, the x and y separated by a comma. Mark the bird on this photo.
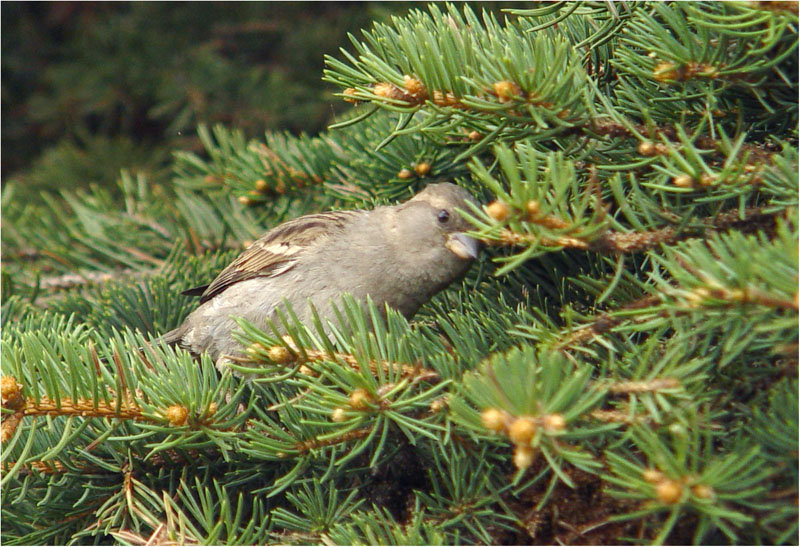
<point>400,256</point>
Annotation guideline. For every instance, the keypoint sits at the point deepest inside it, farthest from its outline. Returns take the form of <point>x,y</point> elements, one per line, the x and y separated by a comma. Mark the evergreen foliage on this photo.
<point>619,367</point>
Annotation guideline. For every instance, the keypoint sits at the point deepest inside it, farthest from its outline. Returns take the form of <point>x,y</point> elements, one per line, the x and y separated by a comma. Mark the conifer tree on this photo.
<point>619,367</point>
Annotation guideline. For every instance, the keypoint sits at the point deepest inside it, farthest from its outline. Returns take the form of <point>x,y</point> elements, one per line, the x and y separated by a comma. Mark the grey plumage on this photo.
<point>398,255</point>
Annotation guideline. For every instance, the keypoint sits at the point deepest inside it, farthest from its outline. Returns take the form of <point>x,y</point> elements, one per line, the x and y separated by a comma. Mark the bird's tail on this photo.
<point>172,337</point>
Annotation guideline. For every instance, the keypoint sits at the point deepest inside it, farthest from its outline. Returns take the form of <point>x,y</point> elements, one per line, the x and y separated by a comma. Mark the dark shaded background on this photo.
<point>89,88</point>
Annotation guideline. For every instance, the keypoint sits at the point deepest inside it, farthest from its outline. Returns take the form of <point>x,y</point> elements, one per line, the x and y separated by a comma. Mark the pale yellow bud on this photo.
<point>338,415</point>
<point>669,491</point>
<point>279,354</point>
<point>554,422</point>
<point>683,181</point>
<point>350,95</point>
<point>177,415</point>
<point>533,209</point>
<point>498,210</point>
<point>521,431</point>
<point>415,87</point>
<point>405,174</point>
<point>524,456</point>
<point>389,91</point>
<point>493,419</point>
<point>438,405</point>
<point>703,491</point>
<point>652,475</point>
<point>506,90</point>
<point>422,168</point>
<point>9,388</point>
<point>360,399</point>
<point>647,149</point>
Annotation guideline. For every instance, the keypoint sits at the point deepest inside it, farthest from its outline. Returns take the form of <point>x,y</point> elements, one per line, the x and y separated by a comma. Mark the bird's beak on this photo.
<point>463,246</point>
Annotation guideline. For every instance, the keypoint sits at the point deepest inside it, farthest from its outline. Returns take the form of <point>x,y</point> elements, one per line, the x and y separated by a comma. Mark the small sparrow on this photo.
<point>398,255</point>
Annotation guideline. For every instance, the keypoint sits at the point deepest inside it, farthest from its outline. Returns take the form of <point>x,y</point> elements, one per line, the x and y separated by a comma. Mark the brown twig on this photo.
<point>166,458</point>
<point>635,242</point>
<point>417,371</point>
<point>644,386</point>
<point>84,407</point>
<point>9,425</point>
<point>617,416</point>
<point>306,446</point>
<point>281,355</point>
<point>70,280</point>
<point>605,322</point>
<point>276,167</point>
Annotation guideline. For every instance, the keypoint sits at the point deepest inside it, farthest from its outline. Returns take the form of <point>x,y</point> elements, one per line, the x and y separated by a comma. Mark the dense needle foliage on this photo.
<point>619,367</point>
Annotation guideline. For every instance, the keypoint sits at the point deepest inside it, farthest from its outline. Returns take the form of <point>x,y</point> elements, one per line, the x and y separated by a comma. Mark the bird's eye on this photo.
<point>444,216</point>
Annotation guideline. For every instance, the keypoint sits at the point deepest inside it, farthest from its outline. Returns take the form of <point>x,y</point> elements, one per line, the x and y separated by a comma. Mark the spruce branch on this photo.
<point>303,447</point>
<point>610,241</point>
<point>127,410</point>
<point>257,171</point>
<point>349,388</point>
<point>543,204</point>
<point>72,280</point>
<point>680,480</point>
<point>677,56</point>
<point>649,306</point>
<point>419,66</point>
<point>619,417</point>
<point>87,232</point>
<point>635,382</point>
<point>165,459</point>
<point>288,353</point>
<point>657,384</point>
<point>539,415</point>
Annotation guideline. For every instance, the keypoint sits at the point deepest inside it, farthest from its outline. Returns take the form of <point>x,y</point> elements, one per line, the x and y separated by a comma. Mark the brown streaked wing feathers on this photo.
<point>258,261</point>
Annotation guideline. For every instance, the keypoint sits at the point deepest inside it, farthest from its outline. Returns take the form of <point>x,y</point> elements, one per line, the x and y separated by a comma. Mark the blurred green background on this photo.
<point>90,88</point>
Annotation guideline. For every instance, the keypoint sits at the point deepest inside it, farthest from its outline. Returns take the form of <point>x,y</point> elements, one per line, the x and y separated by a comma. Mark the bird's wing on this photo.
<point>276,252</point>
